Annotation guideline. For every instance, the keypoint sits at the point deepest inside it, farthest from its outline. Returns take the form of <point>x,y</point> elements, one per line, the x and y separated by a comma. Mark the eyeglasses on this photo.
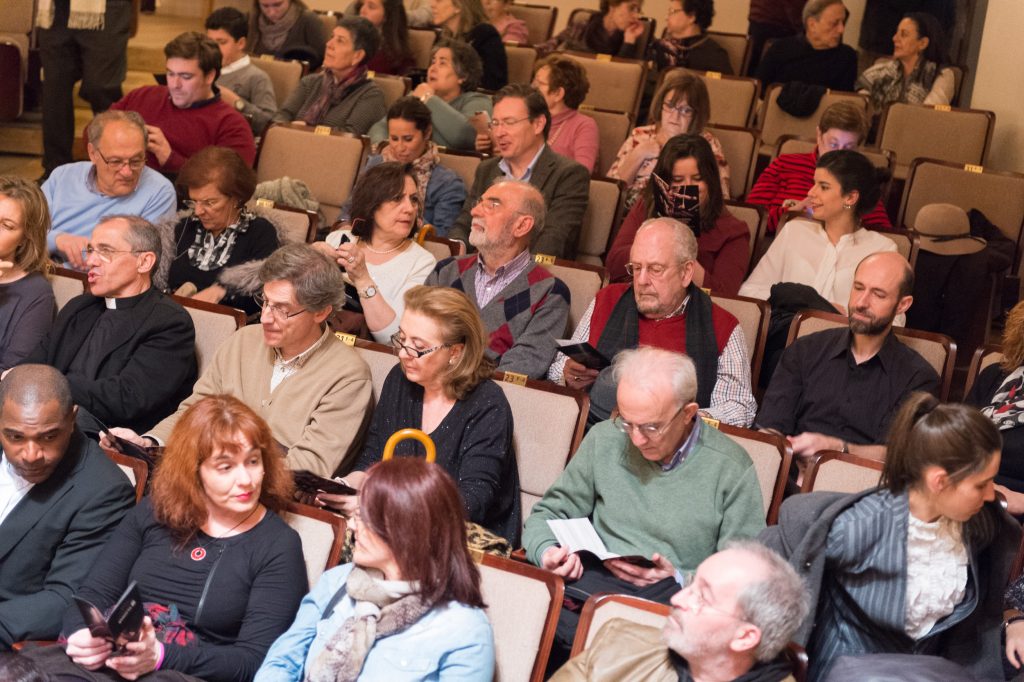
<point>506,122</point>
<point>683,110</point>
<point>104,253</point>
<point>490,204</point>
<point>697,599</point>
<point>135,163</point>
<point>277,312</point>
<point>396,341</point>
<point>654,270</point>
<point>648,431</point>
<point>193,204</point>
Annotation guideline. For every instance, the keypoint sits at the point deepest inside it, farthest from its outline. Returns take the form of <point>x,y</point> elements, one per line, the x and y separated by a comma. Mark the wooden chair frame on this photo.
<point>527,16</point>
<point>819,458</point>
<point>454,246</point>
<point>336,521</point>
<point>759,342</point>
<point>975,368</point>
<point>945,376</point>
<point>579,642</point>
<point>240,318</point>
<point>785,462</point>
<point>311,216</point>
<point>140,470</point>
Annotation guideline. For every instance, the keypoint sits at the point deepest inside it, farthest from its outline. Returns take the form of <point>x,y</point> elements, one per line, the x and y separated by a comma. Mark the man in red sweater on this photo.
<point>188,114</point>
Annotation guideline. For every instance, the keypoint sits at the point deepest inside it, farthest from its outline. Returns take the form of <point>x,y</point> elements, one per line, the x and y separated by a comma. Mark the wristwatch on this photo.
<point>846,448</point>
<point>240,104</point>
<point>368,292</point>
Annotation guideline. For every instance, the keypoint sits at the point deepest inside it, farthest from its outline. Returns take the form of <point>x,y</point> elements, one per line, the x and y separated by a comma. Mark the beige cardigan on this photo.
<point>318,413</point>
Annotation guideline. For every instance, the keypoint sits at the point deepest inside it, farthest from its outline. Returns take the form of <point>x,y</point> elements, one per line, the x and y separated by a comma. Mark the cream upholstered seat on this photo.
<point>841,472</point>
<point>615,83</point>
<point>737,46</point>
<point>523,603</point>
<point>464,163</point>
<point>380,358</point>
<point>936,132</point>
<point>285,74</point>
<point>754,216</point>
<point>16,21</point>
<point>540,20</point>
<point>733,99</point>
<point>740,146</point>
<point>66,285</point>
<point>752,315</point>
<point>298,225</point>
<point>322,534</point>
<point>393,87</point>
<point>612,130</point>
<point>583,280</point>
<point>421,40</point>
<point>600,220</point>
<point>521,59</point>
<point>771,456</point>
<point>214,323</point>
<point>601,608</point>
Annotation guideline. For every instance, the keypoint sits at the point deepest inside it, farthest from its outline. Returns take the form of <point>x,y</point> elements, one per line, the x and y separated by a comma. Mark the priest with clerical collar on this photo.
<point>127,349</point>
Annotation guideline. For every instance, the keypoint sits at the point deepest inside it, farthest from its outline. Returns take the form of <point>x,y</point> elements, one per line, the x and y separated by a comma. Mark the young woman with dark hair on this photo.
<point>411,568</point>
<point>388,16</point>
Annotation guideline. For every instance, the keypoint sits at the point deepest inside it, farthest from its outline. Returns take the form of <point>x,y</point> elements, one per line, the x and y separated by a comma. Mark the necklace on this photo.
<point>199,553</point>
<point>385,252</point>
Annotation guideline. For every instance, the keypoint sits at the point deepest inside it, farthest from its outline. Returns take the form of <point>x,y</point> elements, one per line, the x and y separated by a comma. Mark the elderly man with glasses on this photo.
<point>524,307</point>
<point>519,130</point>
<point>664,308</point>
<point>127,350</point>
<point>115,180</point>
<point>662,489</point>
<point>313,390</point>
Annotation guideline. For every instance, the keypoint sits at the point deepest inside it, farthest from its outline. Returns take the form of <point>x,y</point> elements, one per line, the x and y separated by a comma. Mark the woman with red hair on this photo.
<point>220,573</point>
<point>409,606</point>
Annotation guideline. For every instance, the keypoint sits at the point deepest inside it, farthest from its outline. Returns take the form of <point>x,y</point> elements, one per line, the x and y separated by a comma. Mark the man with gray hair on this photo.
<point>817,56</point>
<point>524,307</point>
<point>662,489</point>
<point>732,621</point>
<point>115,180</point>
<point>60,498</point>
<point>127,349</point>
<point>313,390</point>
<point>663,307</point>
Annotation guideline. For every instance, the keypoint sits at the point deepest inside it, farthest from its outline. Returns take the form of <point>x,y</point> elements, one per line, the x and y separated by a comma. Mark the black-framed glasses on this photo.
<point>135,163</point>
<point>104,253</point>
<point>396,341</point>
<point>278,312</point>
<point>649,431</point>
<point>682,109</point>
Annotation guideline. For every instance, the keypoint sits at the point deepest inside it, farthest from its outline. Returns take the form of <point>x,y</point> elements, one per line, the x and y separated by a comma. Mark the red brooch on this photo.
<point>198,554</point>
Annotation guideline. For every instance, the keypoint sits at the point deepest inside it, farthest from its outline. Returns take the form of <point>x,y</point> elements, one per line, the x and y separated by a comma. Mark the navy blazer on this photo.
<point>49,540</point>
<point>147,371</point>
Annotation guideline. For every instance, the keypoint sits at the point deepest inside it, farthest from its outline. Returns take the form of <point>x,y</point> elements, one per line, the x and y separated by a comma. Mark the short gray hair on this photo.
<point>777,605</point>
<point>684,243</point>
<point>648,365</point>
<point>532,203</point>
<point>814,8</point>
<point>141,234</point>
<point>315,277</point>
<point>100,122</point>
<point>27,385</point>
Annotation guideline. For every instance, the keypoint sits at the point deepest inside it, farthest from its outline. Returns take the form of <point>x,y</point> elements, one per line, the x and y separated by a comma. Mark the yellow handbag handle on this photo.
<point>425,231</point>
<point>415,434</point>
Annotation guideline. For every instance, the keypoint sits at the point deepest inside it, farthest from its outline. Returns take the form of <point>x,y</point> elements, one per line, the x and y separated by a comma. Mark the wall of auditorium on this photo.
<point>998,86</point>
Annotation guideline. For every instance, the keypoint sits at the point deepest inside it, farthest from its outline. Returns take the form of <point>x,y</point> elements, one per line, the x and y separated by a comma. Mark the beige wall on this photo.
<point>998,85</point>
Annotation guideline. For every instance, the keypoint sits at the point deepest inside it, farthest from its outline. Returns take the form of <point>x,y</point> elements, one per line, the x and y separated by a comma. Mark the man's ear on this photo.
<point>147,262</point>
<point>522,226</point>
<point>686,272</point>
<point>745,639</point>
<point>690,411</point>
<point>904,304</point>
<point>242,43</point>
<point>321,315</point>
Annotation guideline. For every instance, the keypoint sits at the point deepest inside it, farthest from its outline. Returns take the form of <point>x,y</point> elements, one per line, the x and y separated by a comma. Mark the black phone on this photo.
<point>585,354</point>
<point>308,482</point>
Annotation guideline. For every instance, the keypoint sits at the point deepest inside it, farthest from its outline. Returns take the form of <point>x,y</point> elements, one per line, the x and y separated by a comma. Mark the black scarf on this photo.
<point>622,331</point>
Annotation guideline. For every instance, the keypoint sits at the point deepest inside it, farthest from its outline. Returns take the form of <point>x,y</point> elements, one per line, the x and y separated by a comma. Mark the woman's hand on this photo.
<point>351,257</point>
<point>142,656</point>
<point>632,32</point>
<point>636,157</point>
<point>346,504</point>
<point>1014,501</point>
<point>483,143</point>
<point>1015,643</point>
<point>423,92</point>
<point>88,651</point>
<point>123,434</point>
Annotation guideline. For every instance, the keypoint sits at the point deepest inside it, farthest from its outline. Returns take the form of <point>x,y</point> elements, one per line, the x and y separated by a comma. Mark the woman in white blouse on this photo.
<point>917,565</point>
<point>825,254</point>
<point>378,254</point>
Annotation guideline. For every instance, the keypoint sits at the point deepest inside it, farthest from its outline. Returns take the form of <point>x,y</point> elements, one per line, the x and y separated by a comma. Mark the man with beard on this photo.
<point>837,389</point>
<point>731,622</point>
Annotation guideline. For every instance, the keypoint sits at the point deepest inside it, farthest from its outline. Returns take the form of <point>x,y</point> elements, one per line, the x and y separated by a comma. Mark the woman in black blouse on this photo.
<point>218,234</point>
<point>442,386</point>
<point>466,20</point>
<point>220,574</point>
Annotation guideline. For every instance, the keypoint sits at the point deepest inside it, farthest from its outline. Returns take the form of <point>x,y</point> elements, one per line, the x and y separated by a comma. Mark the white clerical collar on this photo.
<point>111,303</point>
<point>235,66</point>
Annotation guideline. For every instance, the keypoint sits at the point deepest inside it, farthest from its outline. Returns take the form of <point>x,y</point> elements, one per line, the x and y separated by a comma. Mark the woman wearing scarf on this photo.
<point>340,95</point>
<point>916,74</point>
<point>441,191</point>
<point>409,607</point>
<point>286,29</point>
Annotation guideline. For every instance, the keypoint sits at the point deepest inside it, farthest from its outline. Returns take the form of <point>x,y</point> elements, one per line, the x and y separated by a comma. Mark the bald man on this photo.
<point>60,498</point>
<point>837,389</point>
<point>524,307</point>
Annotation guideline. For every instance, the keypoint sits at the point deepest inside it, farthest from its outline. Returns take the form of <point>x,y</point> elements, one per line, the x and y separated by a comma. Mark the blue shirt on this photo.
<point>76,205</point>
<point>451,642</point>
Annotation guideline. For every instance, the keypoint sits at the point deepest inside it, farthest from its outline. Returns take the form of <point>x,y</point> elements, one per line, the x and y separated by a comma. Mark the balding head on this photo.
<point>892,265</point>
<point>37,420</point>
<point>32,385</point>
<point>882,287</point>
<point>508,215</point>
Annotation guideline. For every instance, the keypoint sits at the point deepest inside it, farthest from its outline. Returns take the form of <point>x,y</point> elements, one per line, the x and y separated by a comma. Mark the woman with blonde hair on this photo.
<point>442,386</point>
<point>27,305</point>
<point>466,20</point>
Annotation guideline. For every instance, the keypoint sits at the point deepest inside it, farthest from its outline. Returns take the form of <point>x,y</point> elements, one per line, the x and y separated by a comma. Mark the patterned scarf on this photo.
<point>209,252</point>
<point>84,14</point>
<point>422,167</point>
<point>1007,407</point>
<point>332,92</point>
<point>273,34</point>
<point>379,612</point>
<point>890,85</point>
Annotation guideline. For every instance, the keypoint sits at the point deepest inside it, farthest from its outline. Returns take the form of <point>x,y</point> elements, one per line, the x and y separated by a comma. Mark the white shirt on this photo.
<point>236,65</point>
<point>936,573</point>
<point>12,488</point>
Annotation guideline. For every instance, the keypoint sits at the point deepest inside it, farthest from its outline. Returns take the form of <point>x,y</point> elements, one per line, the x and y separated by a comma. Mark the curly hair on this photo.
<point>567,74</point>
<point>1013,339</point>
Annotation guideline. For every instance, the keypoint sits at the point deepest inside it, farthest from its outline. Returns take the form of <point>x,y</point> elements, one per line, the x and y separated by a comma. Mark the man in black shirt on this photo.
<point>817,56</point>
<point>836,389</point>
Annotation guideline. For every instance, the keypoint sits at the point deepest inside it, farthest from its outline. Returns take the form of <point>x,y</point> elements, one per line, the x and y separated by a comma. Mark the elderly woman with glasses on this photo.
<point>217,246</point>
<point>442,386</point>
<point>681,105</point>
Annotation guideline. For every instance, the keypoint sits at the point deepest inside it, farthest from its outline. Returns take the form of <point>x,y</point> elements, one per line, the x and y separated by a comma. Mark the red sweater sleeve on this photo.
<point>725,262</point>
<point>618,255</point>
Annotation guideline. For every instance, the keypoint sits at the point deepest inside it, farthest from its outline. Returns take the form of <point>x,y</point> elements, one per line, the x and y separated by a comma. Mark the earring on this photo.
<point>847,206</point>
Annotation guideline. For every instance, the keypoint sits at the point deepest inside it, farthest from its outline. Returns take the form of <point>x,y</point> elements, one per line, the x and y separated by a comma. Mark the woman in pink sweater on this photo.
<point>564,84</point>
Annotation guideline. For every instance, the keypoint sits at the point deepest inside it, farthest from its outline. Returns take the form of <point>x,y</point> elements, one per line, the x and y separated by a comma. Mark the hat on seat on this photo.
<point>945,230</point>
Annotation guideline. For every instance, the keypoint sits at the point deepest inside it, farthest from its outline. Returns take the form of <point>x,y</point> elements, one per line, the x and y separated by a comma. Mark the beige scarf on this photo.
<point>85,14</point>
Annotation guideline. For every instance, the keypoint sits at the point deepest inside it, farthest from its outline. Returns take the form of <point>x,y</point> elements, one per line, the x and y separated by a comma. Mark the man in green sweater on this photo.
<point>655,481</point>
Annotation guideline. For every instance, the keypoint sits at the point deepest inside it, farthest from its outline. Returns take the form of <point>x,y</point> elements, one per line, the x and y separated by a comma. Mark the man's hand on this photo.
<point>142,657</point>
<point>214,293</point>
<point>558,560</point>
<point>483,143</point>
<point>88,651</point>
<point>228,95</point>
<point>71,246</point>
<point>158,145</point>
<point>577,376</point>
<point>638,575</point>
<point>805,445</point>
<point>1015,506</point>
<point>1015,643</point>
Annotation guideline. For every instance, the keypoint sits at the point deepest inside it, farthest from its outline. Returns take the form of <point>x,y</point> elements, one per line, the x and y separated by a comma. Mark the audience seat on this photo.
<point>753,315</point>
<point>841,472</point>
<point>67,284</point>
<point>329,12</point>
<point>285,74</point>
<point>772,457</point>
<point>754,216</point>
<point>601,219</point>
<point>463,162</point>
<point>328,161</point>
<point>603,607</point>
<point>906,244</point>
<point>299,224</point>
<point>938,350</point>
<point>393,87</point>
<point>914,131</point>
<point>523,603</point>
<point>738,47</point>
<point>615,83</point>
<point>380,358</point>
<point>16,27</point>
<point>441,247</point>
<point>421,40</point>
<point>740,146</point>
<point>983,357</point>
<point>581,15</point>
<point>775,122</point>
<point>612,129</point>
<point>540,20</point>
<point>584,281</point>
<point>136,470</point>
<point>322,534</point>
<point>733,99</point>
<point>214,323</point>
<point>521,59</point>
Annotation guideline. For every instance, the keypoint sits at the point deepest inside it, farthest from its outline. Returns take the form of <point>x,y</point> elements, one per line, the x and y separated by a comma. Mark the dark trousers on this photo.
<point>98,58</point>
<point>596,579</point>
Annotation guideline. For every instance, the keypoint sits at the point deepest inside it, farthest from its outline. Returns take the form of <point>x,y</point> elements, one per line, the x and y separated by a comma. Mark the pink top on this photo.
<point>575,136</point>
<point>512,30</point>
